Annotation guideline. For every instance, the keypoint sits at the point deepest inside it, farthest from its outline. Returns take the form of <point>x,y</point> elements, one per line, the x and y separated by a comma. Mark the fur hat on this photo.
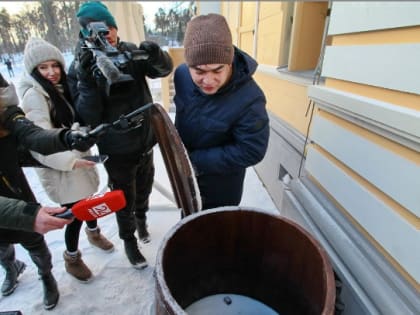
<point>94,11</point>
<point>37,51</point>
<point>208,41</point>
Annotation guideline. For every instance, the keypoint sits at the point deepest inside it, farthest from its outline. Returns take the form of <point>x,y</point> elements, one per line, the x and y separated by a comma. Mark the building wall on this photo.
<point>366,129</point>
<point>129,18</point>
<point>276,33</point>
<point>343,158</point>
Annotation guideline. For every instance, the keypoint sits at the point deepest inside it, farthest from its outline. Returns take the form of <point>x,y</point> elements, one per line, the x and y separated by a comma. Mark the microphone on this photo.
<point>108,69</point>
<point>96,206</point>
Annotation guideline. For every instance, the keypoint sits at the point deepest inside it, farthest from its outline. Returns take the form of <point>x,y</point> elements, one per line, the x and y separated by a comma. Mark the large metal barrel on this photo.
<point>235,260</point>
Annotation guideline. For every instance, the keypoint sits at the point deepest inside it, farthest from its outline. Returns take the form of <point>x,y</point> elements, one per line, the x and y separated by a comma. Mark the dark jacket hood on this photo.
<point>244,66</point>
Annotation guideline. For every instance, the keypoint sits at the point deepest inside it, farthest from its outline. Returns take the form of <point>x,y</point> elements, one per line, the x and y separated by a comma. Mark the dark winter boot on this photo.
<point>133,254</point>
<point>13,269</point>
<point>51,294</point>
<point>141,226</point>
<point>41,256</point>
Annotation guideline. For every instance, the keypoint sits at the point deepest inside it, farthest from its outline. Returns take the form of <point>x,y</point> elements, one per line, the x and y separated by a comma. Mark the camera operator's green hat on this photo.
<point>94,11</point>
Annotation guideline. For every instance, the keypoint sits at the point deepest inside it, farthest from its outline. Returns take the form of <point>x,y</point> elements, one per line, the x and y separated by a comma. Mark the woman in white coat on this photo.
<point>68,177</point>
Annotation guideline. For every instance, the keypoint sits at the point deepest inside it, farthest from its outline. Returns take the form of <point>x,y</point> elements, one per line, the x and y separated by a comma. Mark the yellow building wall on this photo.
<point>285,99</point>
<point>231,9</point>
<point>392,36</point>
<point>395,97</point>
<point>129,17</point>
<point>273,33</point>
<point>271,36</point>
<point>288,100</point>
<point>308,19</point>
<point>246,27</point>
<point>177,56</point>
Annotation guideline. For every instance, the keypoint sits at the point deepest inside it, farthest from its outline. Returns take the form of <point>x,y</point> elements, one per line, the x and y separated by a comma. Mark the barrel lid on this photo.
<point>178,165</point>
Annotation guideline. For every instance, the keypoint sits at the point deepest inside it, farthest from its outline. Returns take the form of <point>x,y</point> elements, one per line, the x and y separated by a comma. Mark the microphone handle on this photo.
<point>68,214</point>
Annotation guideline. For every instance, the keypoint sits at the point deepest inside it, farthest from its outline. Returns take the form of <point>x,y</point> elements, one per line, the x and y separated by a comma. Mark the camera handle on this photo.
<point>125,122</point>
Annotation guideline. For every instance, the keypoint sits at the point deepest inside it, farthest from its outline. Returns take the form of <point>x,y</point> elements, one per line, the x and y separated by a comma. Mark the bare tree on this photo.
<point>49,11</point>
<point>56,22</point>
<point>174,23</point>
<point>6,38</point>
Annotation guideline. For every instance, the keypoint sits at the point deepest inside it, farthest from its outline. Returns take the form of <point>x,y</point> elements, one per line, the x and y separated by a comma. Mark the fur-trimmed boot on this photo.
<point>76,267</point>
<point>97,239</point>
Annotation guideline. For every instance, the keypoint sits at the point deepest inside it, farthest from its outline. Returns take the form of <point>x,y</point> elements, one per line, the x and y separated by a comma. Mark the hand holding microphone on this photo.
<point>96,206</point>
<point>46,220</point>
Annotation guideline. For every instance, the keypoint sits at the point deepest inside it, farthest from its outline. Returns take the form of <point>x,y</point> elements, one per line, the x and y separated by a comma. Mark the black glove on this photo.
<point>80,140</point>
<point>152,49</point>
<point>3,82</point>
<point>86,63</point>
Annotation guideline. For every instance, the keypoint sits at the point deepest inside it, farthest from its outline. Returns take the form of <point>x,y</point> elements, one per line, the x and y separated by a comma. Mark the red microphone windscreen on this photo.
<point>100,205</point>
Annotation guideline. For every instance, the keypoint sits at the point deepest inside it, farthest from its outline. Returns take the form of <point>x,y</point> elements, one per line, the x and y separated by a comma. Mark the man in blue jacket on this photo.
<point>220,110</point>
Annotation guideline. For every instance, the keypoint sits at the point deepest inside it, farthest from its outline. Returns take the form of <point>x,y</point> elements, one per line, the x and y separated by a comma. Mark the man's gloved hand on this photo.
<point>3,82</point>
<point>84,68</point>
<point>80,140</point>
<point>152,49</point>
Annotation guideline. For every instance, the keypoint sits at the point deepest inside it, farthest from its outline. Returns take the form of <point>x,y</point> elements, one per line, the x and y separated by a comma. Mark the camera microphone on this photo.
<point>108,69</point>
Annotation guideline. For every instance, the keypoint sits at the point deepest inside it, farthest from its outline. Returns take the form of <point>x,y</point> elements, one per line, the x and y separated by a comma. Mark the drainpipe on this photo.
<point>255,31</point>
<point>315,81</point>
<point>318,68</point>
<point>339,304</point>
<point>238,24</point>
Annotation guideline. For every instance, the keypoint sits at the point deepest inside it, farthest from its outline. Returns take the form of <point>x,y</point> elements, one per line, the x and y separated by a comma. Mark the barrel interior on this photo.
<point>248,253</point>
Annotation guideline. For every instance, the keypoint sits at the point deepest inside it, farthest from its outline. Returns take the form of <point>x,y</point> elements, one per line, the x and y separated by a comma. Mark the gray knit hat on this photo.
<point>208,41</point>
<point>37,51</point>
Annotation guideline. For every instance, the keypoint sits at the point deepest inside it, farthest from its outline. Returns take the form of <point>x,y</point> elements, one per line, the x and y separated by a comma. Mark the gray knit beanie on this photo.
<point>208,41</point>
<point>37,51</point>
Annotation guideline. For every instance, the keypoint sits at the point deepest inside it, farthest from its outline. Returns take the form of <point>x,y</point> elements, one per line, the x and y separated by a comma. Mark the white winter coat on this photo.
<point>61,183</point>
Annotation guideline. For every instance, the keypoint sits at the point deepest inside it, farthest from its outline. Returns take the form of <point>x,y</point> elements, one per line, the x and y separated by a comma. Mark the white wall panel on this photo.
<point>397,236</point>
<point>392,174</point>
<point>400,124</point>
<point>351,17</point>
<point>395,67</point>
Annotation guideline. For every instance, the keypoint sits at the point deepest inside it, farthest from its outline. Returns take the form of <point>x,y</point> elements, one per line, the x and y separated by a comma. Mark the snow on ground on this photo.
<point>117,288</point>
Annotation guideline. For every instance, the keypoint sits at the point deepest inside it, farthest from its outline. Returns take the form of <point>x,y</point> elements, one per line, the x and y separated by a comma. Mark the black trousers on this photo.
<point>133,174</point>
<point>72,232</point>
<point>33,242</point>
<point>220,190</point>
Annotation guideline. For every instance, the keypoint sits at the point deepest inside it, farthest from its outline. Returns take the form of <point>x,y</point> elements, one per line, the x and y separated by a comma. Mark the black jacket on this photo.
<point>95,106</point>
<point>13,183</point>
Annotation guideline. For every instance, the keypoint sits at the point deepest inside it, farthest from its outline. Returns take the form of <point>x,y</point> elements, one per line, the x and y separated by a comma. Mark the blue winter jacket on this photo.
<point>226,132</point>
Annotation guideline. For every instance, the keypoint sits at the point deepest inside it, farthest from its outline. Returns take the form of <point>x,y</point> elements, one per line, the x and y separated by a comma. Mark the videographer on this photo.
<point>130,165</point>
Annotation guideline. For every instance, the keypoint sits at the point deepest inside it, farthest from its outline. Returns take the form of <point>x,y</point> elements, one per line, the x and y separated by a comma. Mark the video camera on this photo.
<point>109,61</point>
